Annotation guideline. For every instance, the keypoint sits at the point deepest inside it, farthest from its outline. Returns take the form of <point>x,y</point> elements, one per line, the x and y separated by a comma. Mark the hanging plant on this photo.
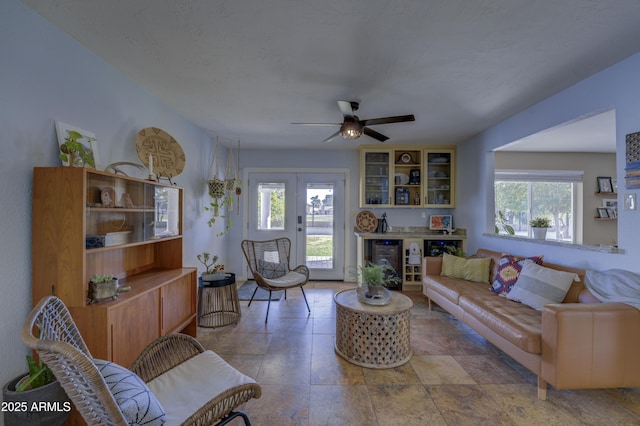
<point>221,196</point>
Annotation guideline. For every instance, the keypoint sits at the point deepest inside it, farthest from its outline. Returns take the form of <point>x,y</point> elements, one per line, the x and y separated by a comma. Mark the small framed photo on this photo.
<point>602,212</point>
<point>441,222</point>
<point>610,202</point>
<point>88,141</point>
<point>611,212</point>
<point>604,184</point>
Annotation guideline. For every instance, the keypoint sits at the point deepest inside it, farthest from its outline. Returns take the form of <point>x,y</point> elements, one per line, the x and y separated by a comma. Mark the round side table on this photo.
<point>218,303</point>
<point>373,336</point>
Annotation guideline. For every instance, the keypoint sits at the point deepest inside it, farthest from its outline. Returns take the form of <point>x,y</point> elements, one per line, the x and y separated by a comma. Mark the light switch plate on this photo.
<point>630,202</point>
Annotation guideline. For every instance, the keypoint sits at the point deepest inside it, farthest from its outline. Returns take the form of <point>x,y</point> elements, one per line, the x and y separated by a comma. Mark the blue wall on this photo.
<point>45,75</point>
<point>617,87</point>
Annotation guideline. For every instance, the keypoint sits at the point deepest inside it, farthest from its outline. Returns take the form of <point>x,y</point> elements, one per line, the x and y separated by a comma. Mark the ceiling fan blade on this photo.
<point>370,132</point>
<point>318,124</point>
<point>386,120</point>
<point>332,137</point>
<point>345,107</point>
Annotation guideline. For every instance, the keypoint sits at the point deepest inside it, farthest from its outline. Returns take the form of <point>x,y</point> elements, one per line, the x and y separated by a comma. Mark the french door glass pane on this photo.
<point>319,226</point>
<point>271,206</point>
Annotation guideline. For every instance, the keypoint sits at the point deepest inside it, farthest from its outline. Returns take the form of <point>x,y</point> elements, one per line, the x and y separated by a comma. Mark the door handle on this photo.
<point>300,229</point>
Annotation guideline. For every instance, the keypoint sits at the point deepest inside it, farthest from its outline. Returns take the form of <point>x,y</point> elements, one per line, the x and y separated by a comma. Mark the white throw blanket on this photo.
<point>614,285</point>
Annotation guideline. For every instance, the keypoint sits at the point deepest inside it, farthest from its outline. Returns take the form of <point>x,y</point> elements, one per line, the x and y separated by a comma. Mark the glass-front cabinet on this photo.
<point>407,176</point>
<point>440,169</point>
<point>375,190</point>
<point>125,211</point>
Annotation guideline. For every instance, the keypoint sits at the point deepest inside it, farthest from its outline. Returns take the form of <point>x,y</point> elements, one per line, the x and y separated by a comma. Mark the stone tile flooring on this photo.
<point>455,376</point>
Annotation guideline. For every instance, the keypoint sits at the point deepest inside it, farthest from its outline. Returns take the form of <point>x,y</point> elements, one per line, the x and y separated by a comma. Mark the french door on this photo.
<point>307,208</point>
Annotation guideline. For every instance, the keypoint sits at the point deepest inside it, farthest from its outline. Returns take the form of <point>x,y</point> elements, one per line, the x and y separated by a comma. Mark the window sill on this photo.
<point>601,249</point>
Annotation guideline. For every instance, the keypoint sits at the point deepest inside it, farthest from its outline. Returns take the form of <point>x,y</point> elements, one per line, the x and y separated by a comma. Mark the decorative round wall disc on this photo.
<point>168,156</point>
<point>366,221</point>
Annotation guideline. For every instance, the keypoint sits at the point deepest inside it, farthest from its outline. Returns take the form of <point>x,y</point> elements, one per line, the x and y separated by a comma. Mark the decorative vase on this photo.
<point>29,410</point>
<point>76,159</point>
<point>375,290</point>
<point>539,233</point>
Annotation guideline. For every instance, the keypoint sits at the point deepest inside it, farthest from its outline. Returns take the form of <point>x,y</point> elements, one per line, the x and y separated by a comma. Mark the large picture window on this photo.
<point>521,195</point>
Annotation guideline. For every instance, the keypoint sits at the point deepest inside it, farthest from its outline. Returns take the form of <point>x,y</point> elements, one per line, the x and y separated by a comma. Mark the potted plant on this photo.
<point>539,225</point>
<point>103,287</point>
<point>24,394</point>
<point>74,153</point>
<point>376,276</point>
<point>213,271</point>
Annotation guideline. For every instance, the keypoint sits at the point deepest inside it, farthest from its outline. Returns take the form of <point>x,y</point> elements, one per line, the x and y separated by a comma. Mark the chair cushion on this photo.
<point>538,286</point>
<point>272,269</point>
<point>187,387</point>
<point>136,401</point>
<point>292,279</point>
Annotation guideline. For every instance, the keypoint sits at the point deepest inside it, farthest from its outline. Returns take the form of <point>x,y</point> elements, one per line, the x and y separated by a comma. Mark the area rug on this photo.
<point>246,290</point>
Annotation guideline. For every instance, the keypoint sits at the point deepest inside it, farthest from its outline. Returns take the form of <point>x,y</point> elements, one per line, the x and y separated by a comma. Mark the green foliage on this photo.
<point>456,251</point>
<point>72,145</point>
<point>378,274</point>
<point>39,375</point>
<point>102,278</point>
<point>540,222</point>
<point>502,222</point>
<point>210,263</point>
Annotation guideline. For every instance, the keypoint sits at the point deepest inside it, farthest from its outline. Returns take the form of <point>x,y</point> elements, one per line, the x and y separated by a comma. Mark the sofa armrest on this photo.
<point>431,265</point>
<point>590,345</point>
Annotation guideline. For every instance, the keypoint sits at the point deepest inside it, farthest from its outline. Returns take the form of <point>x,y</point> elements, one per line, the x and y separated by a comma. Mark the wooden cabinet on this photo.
<point>407,176</point>
<point>87,222</point>
<point>440,174</point>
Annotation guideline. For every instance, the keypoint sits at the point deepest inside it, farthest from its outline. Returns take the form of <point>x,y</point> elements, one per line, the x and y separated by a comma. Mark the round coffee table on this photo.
<point>373,336</point>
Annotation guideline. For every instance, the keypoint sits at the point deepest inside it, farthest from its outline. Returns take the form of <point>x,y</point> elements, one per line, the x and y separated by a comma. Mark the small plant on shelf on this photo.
<point>98,279</point>
<point>540,222</point>
<point>213,271</point>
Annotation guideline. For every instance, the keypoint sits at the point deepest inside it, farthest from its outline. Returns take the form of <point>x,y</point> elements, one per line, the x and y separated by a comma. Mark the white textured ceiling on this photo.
<point>246,69</point>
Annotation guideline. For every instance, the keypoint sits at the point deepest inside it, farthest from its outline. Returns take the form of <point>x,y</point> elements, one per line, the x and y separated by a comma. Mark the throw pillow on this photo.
<point>508,270</point>
<point>137,403</point>
<point>272,269</point>
<point>474,269</point>
<point>538,286</point>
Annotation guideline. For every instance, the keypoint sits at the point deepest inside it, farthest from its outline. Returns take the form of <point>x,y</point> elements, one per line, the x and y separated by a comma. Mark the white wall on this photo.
<point>592,164</point>
<point>616,87</point>
<point>46,76</point>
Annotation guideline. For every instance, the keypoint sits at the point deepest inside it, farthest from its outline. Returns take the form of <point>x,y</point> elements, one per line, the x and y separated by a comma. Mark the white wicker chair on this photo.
<point>51,331</point>
<point>259,253</point>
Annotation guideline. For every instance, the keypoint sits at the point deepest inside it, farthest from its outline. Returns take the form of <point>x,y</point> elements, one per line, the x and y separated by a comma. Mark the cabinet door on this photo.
<point>134,325</point>
<point>178,304</point>
<point>440,177</point>
<point>374,178</point>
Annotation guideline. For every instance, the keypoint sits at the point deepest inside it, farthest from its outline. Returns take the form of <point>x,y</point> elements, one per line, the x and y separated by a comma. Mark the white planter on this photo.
<point>539,233</point>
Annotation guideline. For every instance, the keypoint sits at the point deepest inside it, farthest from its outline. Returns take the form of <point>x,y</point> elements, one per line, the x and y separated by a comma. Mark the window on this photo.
<point>271,206</point>
<point>524,194</point>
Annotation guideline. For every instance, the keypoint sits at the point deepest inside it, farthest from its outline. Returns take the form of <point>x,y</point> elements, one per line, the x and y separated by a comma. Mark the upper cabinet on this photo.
<point>407,176</point>
<point>440,172</point>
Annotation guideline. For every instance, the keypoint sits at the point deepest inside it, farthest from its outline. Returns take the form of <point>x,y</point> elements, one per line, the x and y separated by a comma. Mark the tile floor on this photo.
<point>455,376</point>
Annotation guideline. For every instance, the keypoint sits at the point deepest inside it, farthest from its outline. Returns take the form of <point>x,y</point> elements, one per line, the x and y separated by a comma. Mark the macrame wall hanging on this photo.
<point>216,185</point>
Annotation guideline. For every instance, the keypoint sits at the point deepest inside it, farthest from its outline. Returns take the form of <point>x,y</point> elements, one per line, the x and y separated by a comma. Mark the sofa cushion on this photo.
<point>473,269</point>
<point>136,401</point>
<point>517,323</point>
<point>538,286</point>
<point>509,268</point>
<point>452,288</point>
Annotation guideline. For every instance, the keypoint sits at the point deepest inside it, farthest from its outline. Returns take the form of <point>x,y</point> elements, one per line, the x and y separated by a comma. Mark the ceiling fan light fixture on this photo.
<point>350,130</point>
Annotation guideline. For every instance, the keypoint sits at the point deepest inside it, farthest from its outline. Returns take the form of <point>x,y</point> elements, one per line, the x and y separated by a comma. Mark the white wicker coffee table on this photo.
<point>373,336</point>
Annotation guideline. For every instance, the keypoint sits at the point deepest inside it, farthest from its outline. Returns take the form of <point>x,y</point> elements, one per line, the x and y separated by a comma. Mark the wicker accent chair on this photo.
<point>269,263</point>
<point>51,331</point>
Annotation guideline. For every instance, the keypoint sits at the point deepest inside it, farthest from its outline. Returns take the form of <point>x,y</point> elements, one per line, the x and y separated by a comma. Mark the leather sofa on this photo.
<point>577,344</point>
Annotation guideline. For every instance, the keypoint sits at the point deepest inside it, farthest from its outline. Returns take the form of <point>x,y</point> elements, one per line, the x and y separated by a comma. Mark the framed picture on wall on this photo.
<point>604,184</point>
<point>87,140</point>
<point>602,212</point>
<point>441,222</point>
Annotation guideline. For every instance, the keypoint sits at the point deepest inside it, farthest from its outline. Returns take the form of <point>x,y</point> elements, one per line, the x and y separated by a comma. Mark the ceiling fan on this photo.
<point>352,127</point>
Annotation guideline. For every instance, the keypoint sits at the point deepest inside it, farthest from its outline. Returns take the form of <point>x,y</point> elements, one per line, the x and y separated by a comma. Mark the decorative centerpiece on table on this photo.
<point>213,271</point>
<point>375,278</point>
